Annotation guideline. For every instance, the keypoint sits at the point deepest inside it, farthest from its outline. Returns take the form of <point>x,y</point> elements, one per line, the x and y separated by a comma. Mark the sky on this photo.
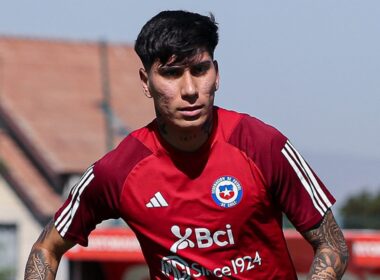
<point>310,68</point>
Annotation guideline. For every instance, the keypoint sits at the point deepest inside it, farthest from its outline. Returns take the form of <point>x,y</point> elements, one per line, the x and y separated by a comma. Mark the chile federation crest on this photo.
<point>227,191</point>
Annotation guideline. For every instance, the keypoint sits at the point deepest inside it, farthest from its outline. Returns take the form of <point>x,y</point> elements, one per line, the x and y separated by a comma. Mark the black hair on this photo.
<point>180,34</point>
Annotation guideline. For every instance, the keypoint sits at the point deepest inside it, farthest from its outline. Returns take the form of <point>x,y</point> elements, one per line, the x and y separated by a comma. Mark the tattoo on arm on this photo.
<point>331,252</point>
<point>38,266</point>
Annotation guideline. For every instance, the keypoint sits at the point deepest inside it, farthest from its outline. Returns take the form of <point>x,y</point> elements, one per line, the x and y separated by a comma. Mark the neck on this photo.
<point>187,140</point>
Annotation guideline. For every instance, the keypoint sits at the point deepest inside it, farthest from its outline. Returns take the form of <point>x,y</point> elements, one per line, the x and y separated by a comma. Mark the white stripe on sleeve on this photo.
<point>302,169</point>
<point>303,180</point>
<point>66,217</point>
<point>73,194</point>
<point>313,179</point>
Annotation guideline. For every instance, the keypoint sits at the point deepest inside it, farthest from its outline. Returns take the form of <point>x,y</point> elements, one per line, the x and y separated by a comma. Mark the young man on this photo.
<point>202,187</point>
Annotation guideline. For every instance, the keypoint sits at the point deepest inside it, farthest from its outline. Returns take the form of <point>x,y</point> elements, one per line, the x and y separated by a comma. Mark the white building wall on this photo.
<point>13,211</point>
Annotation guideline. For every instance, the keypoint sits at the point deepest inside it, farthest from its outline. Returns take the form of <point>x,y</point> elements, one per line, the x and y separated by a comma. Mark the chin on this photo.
<point>190,123</point>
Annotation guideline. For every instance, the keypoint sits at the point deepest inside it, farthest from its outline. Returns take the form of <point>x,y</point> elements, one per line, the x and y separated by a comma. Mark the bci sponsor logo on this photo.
<point>201,238</point>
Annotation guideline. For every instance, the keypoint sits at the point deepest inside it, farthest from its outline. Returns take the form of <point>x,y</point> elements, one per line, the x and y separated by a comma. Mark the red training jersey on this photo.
<point>210,214</point>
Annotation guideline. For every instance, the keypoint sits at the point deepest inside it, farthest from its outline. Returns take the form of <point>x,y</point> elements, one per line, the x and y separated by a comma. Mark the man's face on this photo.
<point>183,93</point>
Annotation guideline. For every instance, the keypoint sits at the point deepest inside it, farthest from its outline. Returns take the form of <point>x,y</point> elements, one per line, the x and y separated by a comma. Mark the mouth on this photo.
<point>191,111</point>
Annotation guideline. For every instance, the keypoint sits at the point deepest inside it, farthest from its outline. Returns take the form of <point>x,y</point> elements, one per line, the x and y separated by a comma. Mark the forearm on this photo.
<point>330,250</point>
<point>46,254</point>
<point>41,265</point>
<point>328,264</point>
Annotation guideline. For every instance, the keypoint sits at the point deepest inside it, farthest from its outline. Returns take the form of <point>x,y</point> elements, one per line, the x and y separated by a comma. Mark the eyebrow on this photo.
<point>202,63</point>
<point>182,66</point>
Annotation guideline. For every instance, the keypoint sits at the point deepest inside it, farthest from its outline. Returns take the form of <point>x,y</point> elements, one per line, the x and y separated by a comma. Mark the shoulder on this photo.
<point>250,134</point>
<point>260,142</point>
<point>117,164</point>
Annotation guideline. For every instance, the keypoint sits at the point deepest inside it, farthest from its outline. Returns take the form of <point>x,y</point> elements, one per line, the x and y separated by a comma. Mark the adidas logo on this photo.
<point>157,201</point>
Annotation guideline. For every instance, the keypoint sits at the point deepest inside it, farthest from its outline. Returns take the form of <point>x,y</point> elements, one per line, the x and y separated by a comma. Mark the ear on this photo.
<point>144,82</point>
<point>217,75</point>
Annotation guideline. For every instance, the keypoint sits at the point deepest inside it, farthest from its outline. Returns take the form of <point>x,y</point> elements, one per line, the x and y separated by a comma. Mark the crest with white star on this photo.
<point>227,191</point>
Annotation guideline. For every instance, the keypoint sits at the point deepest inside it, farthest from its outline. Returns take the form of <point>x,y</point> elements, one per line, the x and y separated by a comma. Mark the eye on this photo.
<point>200,69</point>
<point>171,72</point>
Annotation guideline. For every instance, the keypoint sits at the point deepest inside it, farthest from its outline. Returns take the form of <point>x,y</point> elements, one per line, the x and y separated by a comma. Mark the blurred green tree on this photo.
<point>7,274</point>
<point>361,211</point>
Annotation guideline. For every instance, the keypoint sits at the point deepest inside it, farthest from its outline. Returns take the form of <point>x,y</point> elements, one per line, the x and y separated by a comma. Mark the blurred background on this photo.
<point>69,92</point>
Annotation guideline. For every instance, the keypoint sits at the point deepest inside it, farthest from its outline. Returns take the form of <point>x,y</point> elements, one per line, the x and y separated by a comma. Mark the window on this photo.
<point>8,251</point>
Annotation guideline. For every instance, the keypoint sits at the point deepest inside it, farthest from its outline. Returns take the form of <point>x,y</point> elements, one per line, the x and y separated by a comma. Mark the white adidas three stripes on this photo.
<point>157,201</point>
<point>66,217</point>
<point>307,178</point>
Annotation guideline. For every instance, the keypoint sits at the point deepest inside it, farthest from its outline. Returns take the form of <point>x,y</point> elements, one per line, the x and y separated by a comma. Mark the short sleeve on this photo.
<point>301,194</point>
<point>90,202</point>
<point>292,184</point>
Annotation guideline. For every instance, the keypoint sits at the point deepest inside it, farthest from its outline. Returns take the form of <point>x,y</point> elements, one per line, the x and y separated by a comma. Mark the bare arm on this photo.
<point>330,250</point>
<point>46,254</point>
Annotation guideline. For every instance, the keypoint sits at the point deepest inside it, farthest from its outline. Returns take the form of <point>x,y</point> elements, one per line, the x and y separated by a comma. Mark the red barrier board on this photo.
<point>365,248</point>
<point>121,245</point>
<point>109,244</point>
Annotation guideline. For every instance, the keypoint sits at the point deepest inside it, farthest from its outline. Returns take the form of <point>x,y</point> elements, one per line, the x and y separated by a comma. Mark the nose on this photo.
<point>188,88</point>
